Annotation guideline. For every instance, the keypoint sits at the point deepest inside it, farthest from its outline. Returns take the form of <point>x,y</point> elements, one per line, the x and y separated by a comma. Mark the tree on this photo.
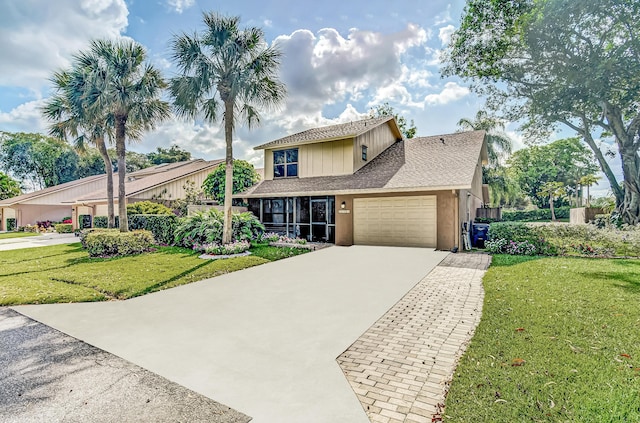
<point>587,181</point>
<point>498,143</point>
<point>8,187</point>
<point>560,62</point>
<point>228,66</point>
<point>559,161</point>
<point>119,84</point>
<point>503,188</point>
<point>169,155</point>
<point>38,160</point>
<point>72,119</point>
<point>553,190</point>
<point>244,176</point>
<point>407,129</point>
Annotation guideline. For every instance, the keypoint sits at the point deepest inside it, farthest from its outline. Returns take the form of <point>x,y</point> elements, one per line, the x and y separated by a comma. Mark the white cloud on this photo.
<point>451,92</point>
<point>40,37</point>
<point>180,5</point>
<point>268,23</point>
<point>24,118</point>
<point>444,17</point>
<point>445,34</point>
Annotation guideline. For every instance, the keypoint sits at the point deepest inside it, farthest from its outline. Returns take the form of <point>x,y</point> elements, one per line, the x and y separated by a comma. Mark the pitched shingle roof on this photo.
<point>51,190</point>
<point>424,163</point>
<point>149,178</point>
<point>327,133</point>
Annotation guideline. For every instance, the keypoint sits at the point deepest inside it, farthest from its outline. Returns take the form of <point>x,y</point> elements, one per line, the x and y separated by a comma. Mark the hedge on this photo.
<point>534,215</point>
<point>11,224</point>
<point>63,228</point>
<point>162,226</point>
<point>112,242</point>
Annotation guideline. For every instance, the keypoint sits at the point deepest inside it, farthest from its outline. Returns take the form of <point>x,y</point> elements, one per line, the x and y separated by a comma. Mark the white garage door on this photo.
<point>398,221</point>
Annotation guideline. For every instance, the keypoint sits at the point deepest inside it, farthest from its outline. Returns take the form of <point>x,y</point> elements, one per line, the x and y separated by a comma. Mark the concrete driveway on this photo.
<point>37,241</point>
<point>262,340</point>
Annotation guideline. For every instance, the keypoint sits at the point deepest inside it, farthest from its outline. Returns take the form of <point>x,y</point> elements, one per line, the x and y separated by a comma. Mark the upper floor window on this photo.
<point>285,163</point>
<point>364,153</point>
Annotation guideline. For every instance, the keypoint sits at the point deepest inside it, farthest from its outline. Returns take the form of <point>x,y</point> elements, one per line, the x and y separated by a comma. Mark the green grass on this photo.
<point>65,273</point>
<point>575,323</point>
<point>276,253</point>
<point>6,235</point>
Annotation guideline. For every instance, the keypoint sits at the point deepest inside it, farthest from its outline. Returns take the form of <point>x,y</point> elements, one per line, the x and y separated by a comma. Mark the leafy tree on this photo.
<point>553,190</point>
<point>587,181</point>
<point>42,161</point>
<point>134,161</point>
<point>559,161</point>
<point>229,67</point>
<point>407,129</point>
<point>72,119</point>
<point>8,187</point>
<point>169,155</point>
<point>119,84</point>
<point>244,176</point>
<point>560,62</point>
<point>91,162</point>
<point>503,188</point>
<point>498,143</point>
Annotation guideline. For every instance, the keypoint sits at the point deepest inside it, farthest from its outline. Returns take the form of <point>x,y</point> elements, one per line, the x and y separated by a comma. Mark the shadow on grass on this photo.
<point>626,280</point>
<point>74,250</point>
<point>503,260</point>
<point>159,285</point>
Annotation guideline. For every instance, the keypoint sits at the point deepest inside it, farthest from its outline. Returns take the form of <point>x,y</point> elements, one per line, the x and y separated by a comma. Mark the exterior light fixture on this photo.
<point>343,205</point>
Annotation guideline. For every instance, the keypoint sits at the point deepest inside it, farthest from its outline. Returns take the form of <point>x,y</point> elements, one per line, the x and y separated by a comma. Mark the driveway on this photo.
<point>263,340</point>
<point>37,241</point>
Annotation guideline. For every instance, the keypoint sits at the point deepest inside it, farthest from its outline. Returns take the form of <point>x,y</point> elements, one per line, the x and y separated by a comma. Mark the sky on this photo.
<point>341,58</point>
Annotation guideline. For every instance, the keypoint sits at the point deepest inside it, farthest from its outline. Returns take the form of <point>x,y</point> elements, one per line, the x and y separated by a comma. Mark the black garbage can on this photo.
<point>479,234</point>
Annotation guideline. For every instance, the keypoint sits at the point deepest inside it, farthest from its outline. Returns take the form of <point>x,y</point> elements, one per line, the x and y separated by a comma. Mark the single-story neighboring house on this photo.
<point>88,196</point>
<point>362,183</point>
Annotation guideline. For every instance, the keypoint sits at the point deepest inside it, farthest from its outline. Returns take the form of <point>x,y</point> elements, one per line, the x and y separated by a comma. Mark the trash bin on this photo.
<point>479,234</point>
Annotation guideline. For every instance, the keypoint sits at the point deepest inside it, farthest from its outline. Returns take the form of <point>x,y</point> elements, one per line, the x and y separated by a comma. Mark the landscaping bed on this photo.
<point>558,341</point>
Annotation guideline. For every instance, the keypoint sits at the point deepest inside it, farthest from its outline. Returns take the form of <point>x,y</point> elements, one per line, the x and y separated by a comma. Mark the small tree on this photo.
<point>244,176</point>
<point>587,181</point>
<point>553,190</point>
<point>407,129</point>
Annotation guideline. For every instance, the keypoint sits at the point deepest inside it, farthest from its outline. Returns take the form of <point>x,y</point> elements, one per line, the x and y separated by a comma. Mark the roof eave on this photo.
<point>354,191</point>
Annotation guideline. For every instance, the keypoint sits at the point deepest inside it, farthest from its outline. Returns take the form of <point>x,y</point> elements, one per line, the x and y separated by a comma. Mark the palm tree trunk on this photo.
<point>102,148</point>
<point>122,170</point>
<point>228,181</point>
<point>588,196</point>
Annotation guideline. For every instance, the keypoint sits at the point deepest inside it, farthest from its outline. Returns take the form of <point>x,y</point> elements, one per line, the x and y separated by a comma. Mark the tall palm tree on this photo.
<point>65,109</point>
<point>118,83</point>
<point>229,67</point>
<point>498,143</point>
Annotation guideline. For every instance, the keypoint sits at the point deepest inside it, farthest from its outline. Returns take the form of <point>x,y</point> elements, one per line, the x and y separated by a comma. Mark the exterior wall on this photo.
<point>56,198</point>
<point>325,158</point>
<point>376,141</point>
<point>28,214</point>
<point>448,234</point>
<point>6,213</point>
<point>268,165</point>
<point>172,190</point>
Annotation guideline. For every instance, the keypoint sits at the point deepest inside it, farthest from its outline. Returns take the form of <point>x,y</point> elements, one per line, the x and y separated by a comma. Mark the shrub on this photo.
<point>269,237</point>
<point>112,242</point>
<point>288,240</point>
<point>44,224</point>
<point>103,221</point>
<point>84,221</point>
<point>148,207</point>
<point>226,249</point>
<point>66,220</point>
<point>11,224</point>
<point>64,228</point>
<point>518,239</point>
<point>535,215</point>
<point>162,226</point>
<point>603,241</point>
<point>206,228</point>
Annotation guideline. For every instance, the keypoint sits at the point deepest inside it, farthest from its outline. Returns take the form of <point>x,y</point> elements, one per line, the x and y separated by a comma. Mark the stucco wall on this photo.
<point>30,214</point>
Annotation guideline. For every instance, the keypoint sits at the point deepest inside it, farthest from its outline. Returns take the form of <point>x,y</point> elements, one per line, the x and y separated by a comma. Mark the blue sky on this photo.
<point>340,59</point>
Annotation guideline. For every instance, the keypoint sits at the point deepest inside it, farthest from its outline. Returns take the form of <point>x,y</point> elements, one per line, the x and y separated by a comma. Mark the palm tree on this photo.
<point>498,143</point>
<point>228,66</point>
<point>587,181</point>
<point>65,109</point>
<point>553,190</point>
<point>119,84</point>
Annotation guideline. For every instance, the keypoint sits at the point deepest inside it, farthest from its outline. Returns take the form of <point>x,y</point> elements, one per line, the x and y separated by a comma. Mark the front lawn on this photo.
<point>6,235</point>
<point>559,341</point>
<point>64,273</point>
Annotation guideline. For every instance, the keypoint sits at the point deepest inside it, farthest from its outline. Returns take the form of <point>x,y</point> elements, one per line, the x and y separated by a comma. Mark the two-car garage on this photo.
<point>409,221</point>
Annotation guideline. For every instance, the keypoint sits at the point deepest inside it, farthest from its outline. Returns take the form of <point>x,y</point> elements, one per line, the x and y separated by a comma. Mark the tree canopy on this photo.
<point>8,187</point>
<point>172,154</point>
<point>408,129</point>
<point>244,176</point>
<point>560,62</point>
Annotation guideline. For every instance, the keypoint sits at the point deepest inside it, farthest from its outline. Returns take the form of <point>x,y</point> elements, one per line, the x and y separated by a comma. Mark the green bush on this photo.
<point>64,228</point>
<point>11,224</point>
<point>103,221</point>
<point>535,215</point>
<point>517,238</point>
<point>84,221</point>
<point>148,207</point>
<point>590,239</point>
<point>162,226</point>
<point>112,242</point>
<point>206,228</point>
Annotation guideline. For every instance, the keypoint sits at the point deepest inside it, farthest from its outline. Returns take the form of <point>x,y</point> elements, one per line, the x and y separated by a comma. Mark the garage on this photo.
<point>409,221</point>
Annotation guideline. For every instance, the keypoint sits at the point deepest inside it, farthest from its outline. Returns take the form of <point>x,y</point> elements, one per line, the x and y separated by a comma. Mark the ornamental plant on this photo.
<point>237,247</point>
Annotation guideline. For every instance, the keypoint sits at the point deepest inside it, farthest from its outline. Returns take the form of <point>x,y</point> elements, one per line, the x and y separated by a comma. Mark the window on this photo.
<point>364,153</point>
<point>285,163</point>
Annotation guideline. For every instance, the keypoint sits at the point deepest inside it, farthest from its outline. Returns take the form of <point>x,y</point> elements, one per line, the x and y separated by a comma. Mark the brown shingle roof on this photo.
<point>416,164</point>
<point>150,178</point>
<point>339,131</point>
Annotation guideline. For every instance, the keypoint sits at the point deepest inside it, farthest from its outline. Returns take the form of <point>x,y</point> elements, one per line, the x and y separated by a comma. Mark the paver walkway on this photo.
<point>401,367</point>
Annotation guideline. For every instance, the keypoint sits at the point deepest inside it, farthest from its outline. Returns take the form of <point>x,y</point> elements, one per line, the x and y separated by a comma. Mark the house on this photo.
<point>361,183</point>
<point>88,196</point>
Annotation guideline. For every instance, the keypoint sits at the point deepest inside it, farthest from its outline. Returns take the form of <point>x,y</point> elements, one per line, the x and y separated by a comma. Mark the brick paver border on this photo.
<point>401,367</point>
